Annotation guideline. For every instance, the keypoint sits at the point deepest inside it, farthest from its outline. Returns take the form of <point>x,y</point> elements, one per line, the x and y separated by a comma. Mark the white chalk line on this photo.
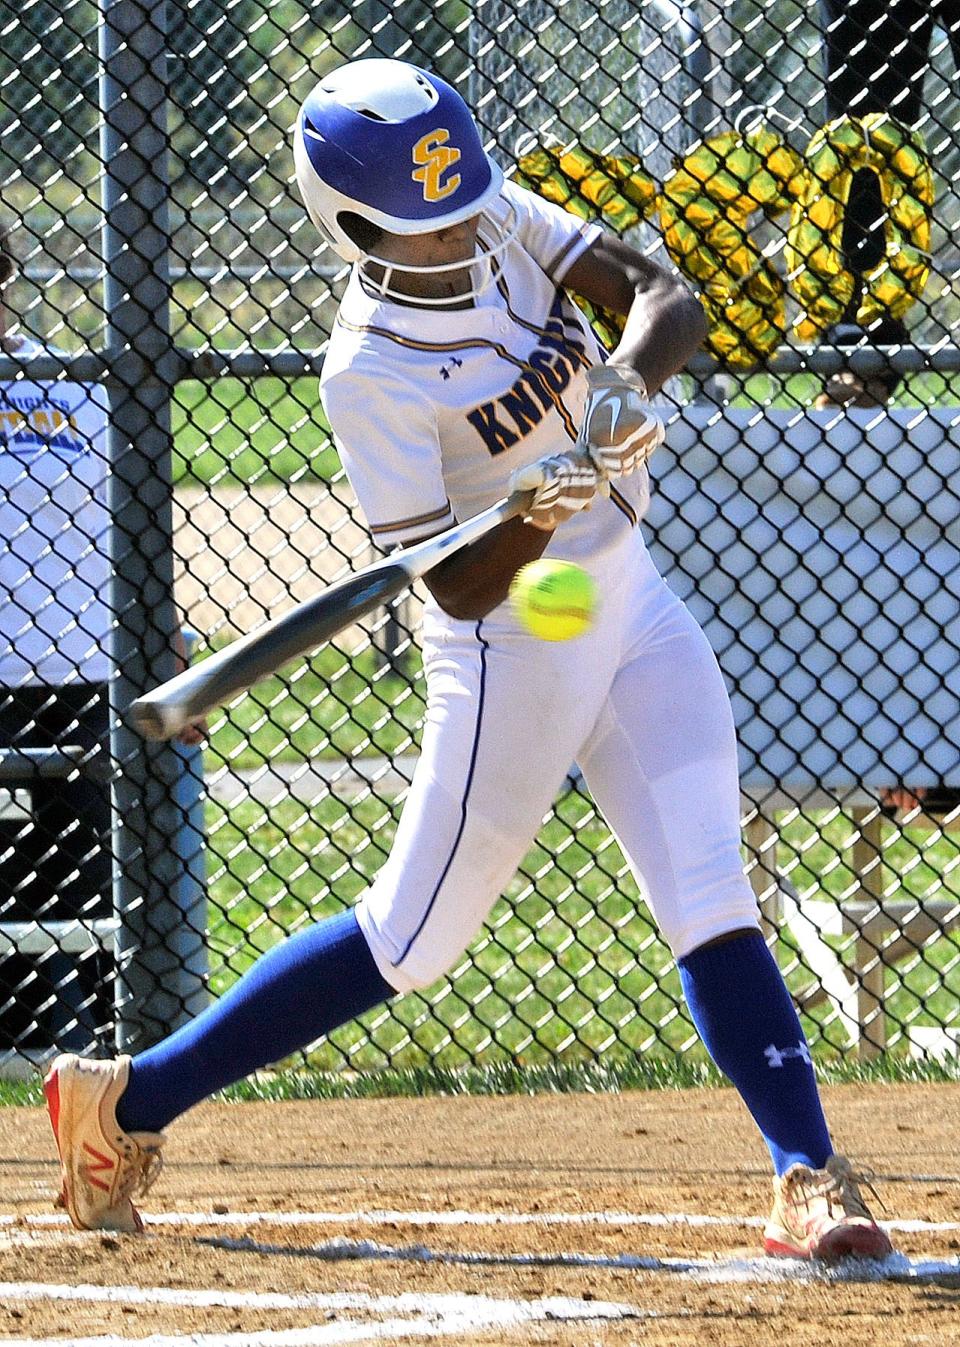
<point>462,1326</point>
<point>465,1327</point>
<point>429,1315</point>
<point>408,1302</point>
<point>352,1250</point>
<point>714,1269</point>
<point>441,1315</point>
<point>462,1218</point>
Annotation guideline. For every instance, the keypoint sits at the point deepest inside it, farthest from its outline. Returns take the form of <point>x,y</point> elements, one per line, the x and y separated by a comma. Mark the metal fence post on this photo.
<point>153,988</point>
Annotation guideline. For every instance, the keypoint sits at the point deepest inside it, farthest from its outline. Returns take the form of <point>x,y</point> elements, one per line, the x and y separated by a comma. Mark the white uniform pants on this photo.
<point>639,702</point>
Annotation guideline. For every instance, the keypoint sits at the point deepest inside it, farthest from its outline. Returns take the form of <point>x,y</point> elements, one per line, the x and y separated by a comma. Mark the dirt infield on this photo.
<point>613,1219</point>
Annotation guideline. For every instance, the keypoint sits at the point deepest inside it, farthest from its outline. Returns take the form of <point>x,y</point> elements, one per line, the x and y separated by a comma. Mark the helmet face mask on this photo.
<point>398,147</point>
<point>483,267</point>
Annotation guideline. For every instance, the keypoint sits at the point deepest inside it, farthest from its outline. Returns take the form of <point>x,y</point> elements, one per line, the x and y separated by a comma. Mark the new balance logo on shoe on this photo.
<point>90,1169</point>
<point>101,1166</point>
<point>777,1056</point>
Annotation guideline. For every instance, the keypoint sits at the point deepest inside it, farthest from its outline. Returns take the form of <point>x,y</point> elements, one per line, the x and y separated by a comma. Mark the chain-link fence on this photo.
<point>162,331</point>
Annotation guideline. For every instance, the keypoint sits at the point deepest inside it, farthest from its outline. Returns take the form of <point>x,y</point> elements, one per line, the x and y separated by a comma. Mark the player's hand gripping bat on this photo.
<point>162,713</point>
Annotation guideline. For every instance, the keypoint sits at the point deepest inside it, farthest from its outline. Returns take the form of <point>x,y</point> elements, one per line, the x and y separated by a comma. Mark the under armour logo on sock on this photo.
<point>777,1056</point>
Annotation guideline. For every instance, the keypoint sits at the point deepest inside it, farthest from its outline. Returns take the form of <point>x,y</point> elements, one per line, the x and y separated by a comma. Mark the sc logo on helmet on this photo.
<point>435,158</point>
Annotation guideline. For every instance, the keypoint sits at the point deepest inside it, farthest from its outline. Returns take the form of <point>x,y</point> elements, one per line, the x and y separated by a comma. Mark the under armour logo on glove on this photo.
<point>777,1056</point>
<point>620,430</point>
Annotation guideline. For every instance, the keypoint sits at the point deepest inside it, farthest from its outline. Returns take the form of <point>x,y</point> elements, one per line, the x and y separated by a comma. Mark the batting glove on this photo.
<point>620,430</point>
<point>563,485</point>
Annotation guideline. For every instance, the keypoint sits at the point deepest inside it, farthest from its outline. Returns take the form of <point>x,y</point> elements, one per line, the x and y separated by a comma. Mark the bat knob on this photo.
<point>146,719</point>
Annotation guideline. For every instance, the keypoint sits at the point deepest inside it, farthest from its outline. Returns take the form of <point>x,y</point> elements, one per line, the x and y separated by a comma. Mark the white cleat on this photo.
<point>101,1166</point>
<point>820,1213</point>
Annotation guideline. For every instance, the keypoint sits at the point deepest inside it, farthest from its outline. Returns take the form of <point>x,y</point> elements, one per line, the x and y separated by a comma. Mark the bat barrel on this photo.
<point>167,709</point>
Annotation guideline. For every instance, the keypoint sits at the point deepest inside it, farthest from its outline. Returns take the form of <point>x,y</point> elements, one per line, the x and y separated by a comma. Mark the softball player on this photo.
<point>460,369</point>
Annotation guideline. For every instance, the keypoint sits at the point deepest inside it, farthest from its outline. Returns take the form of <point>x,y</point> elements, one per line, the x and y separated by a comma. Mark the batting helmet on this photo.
<point>393,144</point>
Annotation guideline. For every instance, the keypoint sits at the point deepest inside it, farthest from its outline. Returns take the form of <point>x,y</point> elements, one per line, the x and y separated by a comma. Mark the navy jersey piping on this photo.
<point>536,328</point>
<point>484,647</point>
<point>431,517</point>
<point>466,344</point>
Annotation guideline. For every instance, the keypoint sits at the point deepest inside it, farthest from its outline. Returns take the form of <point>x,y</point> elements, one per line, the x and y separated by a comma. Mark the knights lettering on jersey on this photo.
<point>504,421</point>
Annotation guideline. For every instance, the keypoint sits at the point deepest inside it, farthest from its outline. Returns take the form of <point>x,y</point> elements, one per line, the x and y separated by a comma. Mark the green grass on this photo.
<point>567,938</point>
<point>568,988</point>
<point>800,390</point>
<point>337,705</point>
<point>237,432</point>
<point>232,431</point>
<point>610,1077</point>
<point>569,980</point>
<point>570,967</point>
<point>816,853</point>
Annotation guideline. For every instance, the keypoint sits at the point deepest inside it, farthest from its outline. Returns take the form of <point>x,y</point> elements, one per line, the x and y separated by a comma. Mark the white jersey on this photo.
<point>54,532</point>
<point>433,409</point>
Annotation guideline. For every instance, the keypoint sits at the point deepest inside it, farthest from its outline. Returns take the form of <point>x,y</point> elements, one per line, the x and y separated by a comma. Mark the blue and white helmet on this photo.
<point>395,145</point>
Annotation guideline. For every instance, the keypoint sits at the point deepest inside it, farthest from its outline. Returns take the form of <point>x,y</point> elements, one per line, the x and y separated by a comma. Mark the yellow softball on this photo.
<point>554,600</point>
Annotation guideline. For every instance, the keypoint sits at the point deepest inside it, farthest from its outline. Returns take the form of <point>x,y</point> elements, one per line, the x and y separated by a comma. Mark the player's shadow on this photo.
<point>353,1250</point>
<point>759,1269</point>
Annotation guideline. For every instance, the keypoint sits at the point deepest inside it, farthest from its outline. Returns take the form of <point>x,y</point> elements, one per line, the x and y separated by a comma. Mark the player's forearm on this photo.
<point>470,583</point>
<point>662,332</point>
<point>665,321</point>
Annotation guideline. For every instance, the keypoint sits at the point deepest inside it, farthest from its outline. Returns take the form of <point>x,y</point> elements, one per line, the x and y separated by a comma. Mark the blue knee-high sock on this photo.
<point>295,993</point>
<point>744,1014</point>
